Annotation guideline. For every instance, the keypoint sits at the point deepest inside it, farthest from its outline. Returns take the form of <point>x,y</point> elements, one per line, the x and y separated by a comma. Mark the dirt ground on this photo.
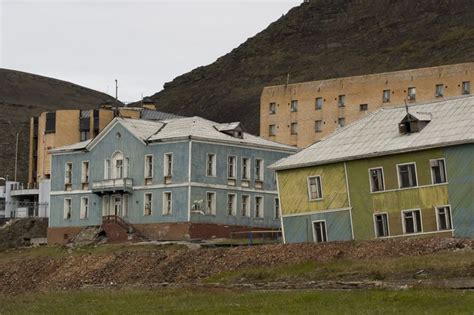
<point>26,270</point>
<point>21,231</point>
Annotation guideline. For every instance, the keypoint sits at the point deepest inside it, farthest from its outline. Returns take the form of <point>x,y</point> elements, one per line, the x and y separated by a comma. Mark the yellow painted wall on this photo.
<point>293,189</point>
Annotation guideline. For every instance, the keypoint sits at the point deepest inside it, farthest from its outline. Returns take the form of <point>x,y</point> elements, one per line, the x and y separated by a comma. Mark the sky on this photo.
<point>142,44</point>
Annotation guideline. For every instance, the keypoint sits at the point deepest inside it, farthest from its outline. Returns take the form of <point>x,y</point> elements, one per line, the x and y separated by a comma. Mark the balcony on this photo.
<point>20,189</point>
<point>116,185</point>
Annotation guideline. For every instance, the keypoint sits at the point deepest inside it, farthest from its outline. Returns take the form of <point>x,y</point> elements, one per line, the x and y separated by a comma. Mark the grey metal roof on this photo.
<point>452,122</point>
<point>151,114</point>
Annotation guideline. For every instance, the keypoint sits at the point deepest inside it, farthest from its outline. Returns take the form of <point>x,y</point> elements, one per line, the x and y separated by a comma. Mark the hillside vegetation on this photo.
<point>23,95</point>
<point>320,40</point>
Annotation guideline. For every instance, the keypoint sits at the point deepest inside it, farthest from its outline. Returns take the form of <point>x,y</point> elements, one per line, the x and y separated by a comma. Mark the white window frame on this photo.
<point>245,212</point>
<point>272,130</point>
<point>325,230</point>
<point>316,129</point>
<point>167,169</point>
<point>316,103</point>
<point>166,201</point>
<point>213,165</point>
<point>68,210</point>
<point>370,179</point>
<point>272,108</point>
<point>465,91</point>
<point>403,221</point>
<point>399,178</point>
<point>149,166</point>
<point>107,169</point>
<point>321,197</point>
<point>145,203</point>
<point>341,100</point>
<point>375,224</point>
<point>450,218</point>
<point>247,171</point>
<point>84,213</point>
<point>105,205</point>
<point>212,210</point>
<point>261,205</point>
<point>384,99</point>
<point>260,175</point>
<point>439,92</point>
<point>68,181</point>
<point>411,96</point>
<point>445,172</point>
<point>233,210</point>
<point>234,167</point>
<point>85,176</point>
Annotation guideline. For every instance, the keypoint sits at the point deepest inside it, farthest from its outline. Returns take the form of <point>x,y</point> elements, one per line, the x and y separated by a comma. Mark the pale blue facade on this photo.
<point>189,184</point>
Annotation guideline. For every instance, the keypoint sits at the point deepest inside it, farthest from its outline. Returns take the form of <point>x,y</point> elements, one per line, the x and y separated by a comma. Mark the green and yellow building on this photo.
<point>400,171</point>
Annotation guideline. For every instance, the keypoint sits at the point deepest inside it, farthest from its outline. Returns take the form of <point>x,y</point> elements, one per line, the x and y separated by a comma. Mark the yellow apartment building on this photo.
<point>300,114</point>
<point>63,127</point>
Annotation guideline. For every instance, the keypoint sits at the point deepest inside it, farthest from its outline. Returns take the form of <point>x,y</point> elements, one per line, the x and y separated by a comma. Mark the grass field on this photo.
<point>238,302</point>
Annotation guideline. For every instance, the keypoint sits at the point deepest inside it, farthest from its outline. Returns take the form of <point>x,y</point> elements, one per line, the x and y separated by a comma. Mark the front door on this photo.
<point>117,205</point>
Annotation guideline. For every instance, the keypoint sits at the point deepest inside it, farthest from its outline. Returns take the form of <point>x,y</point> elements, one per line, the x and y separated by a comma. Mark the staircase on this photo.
<point>118,230</point>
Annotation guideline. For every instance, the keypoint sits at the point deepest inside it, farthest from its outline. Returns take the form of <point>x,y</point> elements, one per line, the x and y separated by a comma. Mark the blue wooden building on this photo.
<point>174,179</point>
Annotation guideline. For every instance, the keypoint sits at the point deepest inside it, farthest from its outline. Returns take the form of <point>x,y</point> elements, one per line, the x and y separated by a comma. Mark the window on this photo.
<point>276,208</point>
<point>438,171</point>
<point>50,123</point>
<point>231,205</point>
<point>294,106</point>
<point>85,172</point>
<point>272,130</point>
<point>318,126</point>
<point>341,100</point>
<point>314,188</point>
<point>258,207</point>
<point>67,208</point>
<point>466,88</point>
<point>148,166</point>
<point>211,164</point>
<point>245,168</point>
<point>119,168</point>
<point>272,108</point>
<point>363,107</point>
<point>259,170</point>
<point>211,203</point>
<point>85,134</point>
<point>125,205</point>
<point>376,179</point>
<point>168,171</point>
<point>84,208</point>
<point>147,204</point>
<point>443,218</point>
<point>439,90</point>
<point>231,166</point>
<point>106,169</point>
<point>381,224</point>
<point>294,128</point>
<point>411,96</point>
<point>319,232</point>
<point>341,122</point>
<point>245,206</point>
<point>407,175</point>
<point>319,103</point>
<point>412,221</point>
<point>68,174</point>
<point>386,96</point>
<point>167,203</point>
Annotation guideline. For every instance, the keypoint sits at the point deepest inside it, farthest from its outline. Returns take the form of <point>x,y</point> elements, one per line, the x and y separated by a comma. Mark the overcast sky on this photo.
<point>143,44</point>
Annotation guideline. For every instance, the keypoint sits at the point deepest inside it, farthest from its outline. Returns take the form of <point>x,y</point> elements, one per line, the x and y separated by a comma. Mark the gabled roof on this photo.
<point>196,128</point>
<point>72,147</point>
<point>377,134</point>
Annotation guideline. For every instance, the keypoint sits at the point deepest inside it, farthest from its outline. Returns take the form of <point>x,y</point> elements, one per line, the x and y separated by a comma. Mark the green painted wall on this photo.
<point>365,204</point>
<point>294,189</point>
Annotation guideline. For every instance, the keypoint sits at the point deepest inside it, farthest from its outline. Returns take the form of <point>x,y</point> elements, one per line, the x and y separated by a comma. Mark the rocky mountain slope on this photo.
<point>324,39</point>
<point>23,95</point>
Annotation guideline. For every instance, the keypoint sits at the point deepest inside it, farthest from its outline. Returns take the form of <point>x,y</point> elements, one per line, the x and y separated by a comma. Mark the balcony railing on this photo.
<point>113,185</point>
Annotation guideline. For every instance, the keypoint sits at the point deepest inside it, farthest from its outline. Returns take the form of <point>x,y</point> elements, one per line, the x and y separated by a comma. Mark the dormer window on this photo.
<point>232,129</point>
<point>414,122</point>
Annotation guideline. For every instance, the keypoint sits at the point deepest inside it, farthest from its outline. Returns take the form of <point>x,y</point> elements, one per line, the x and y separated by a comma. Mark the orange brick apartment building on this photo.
<point>300,114</point>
